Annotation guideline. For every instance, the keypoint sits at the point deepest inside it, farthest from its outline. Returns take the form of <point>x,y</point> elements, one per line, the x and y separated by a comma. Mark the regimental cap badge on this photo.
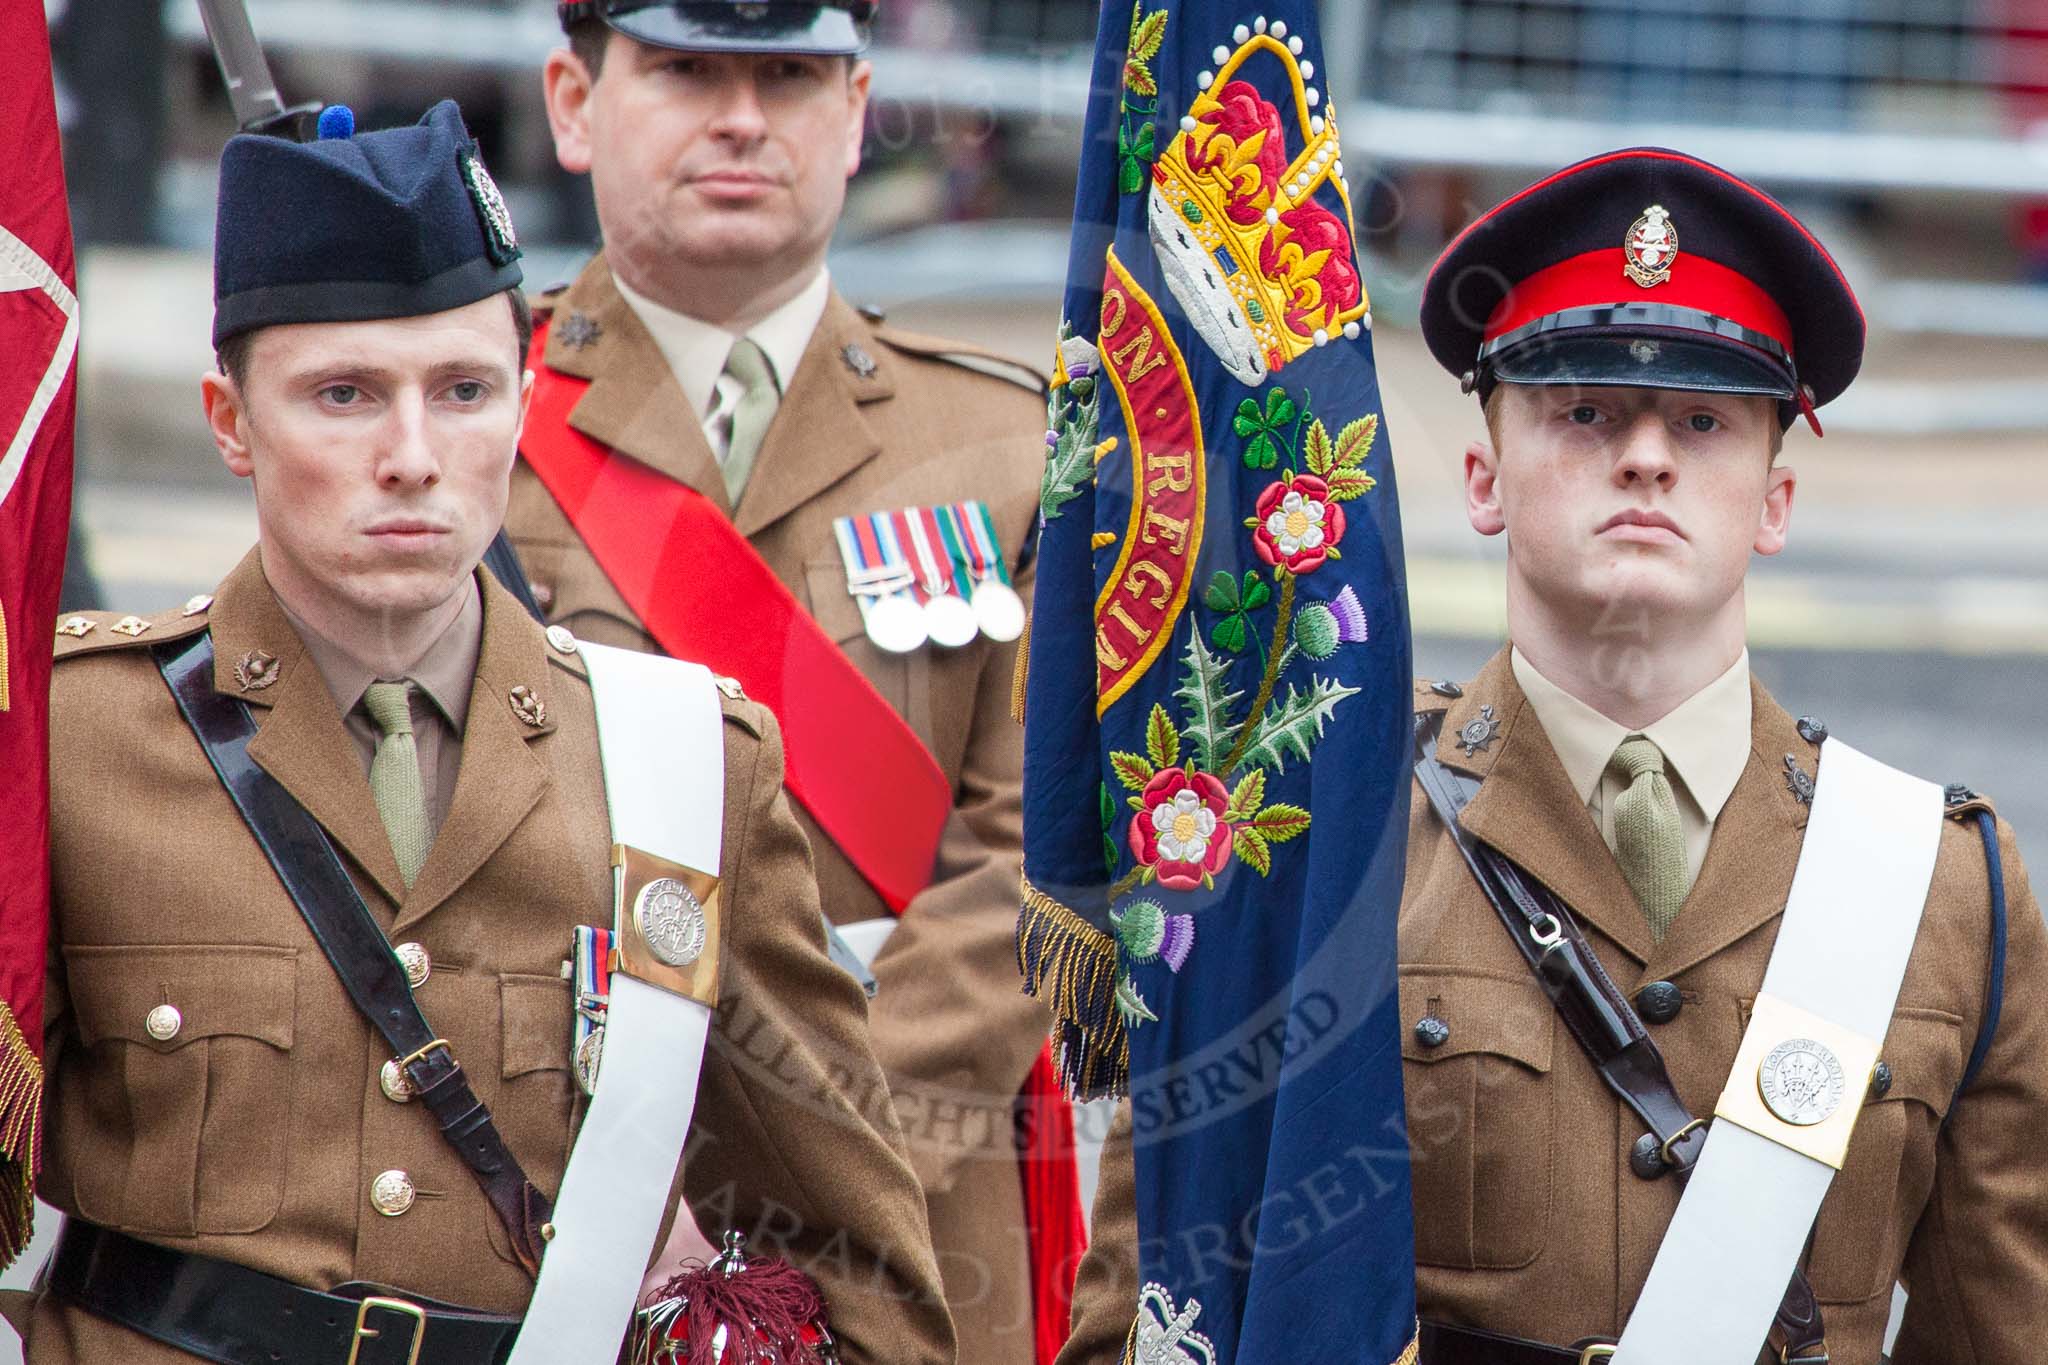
<point>1650,247</point>
<point>500,237</point>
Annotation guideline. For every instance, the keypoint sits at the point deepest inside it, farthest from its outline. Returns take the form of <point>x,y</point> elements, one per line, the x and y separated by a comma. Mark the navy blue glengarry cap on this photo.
<point>397,223</point>
<point>836,28</point>
<point>1650,269</point>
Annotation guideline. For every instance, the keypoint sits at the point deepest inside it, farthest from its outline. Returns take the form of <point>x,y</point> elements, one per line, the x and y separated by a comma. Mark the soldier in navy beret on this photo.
<point>277,1139</point>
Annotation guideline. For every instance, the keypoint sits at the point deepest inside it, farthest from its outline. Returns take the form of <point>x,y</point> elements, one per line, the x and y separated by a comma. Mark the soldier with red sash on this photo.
<point>726,462</point>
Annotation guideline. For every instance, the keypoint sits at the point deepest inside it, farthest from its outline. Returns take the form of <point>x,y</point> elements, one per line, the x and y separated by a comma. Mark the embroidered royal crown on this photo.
<point>1262,265</point>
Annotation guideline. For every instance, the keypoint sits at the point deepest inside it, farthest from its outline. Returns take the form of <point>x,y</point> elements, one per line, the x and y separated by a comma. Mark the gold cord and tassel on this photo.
<point>1071,967</point>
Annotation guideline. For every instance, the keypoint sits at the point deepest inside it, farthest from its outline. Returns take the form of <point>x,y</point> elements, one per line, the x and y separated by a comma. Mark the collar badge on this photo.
<point>1650,247</point>
<point>1477,733</point>
<point>579,330</point>
<point>255,671</point>
<point>858,360</point>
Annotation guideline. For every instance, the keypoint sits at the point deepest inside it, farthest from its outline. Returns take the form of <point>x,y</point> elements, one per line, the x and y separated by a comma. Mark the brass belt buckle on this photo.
<point>403,1309</point>
<point>1599,1350</point>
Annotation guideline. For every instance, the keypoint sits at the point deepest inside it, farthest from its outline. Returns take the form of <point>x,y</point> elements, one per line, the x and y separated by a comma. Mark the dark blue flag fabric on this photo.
<point>1218,699</point>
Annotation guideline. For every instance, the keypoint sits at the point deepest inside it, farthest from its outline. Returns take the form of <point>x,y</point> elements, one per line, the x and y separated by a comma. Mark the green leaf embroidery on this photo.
<point>1280,409</point>
<point>1248,797</point>
<point>1138,79</point>
<point>1279,823</point>
<point>1221,594</point>
<point>1135,154</point>
<point>1149,35</point>
<point>1346,484</point>
<point>1162,740</point>
<point>1293,726</point>
<point>1256,593</point>
<point>1250,847</point>
<point>1247,420</point>
<point>1131,1005</point>
<point>1204,694</point>
<point>1260,429</point>
<point>1132,770</point>
<point>1316,450</point>
<point>1354,442</point>
<point>1072,415</point>
<point>1110,854</point>
<point>1230,634</point>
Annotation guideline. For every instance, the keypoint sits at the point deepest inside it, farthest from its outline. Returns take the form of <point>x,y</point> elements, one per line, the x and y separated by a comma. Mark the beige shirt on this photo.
<point>696,350</point>
<point>1705,743</point>
<point>440,700</point>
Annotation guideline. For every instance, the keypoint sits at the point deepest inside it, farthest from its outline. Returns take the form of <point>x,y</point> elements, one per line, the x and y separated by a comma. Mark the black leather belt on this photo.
<point>233,1315</point>
<point>1443,1344</point>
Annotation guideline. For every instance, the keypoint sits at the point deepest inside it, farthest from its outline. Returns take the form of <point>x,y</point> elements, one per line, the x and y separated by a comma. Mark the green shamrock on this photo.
<point>1135,154</point>
<point>1261,431</point>
<point>1237,602</point>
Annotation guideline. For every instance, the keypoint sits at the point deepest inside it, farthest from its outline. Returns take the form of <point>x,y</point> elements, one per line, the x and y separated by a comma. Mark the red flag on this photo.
<point>39,340</point>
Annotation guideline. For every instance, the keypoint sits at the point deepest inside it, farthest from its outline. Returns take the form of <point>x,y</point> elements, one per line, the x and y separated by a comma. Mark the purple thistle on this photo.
<point>1180,938</point>
<point>1350,616</point>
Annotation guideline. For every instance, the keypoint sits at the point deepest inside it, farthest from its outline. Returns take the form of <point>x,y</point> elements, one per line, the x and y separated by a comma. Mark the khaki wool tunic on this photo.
<point>1528,1220</point>
<point>872,420</point>
<point>255,1133</point>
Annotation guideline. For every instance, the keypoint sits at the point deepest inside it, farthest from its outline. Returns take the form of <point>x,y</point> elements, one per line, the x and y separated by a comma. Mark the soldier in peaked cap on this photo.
<point>1718,1028</point>
<point>727,462</point>
<point>251,1169</point>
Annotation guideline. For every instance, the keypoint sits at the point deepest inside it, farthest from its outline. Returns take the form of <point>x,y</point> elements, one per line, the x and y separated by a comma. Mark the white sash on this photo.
<point>662,742</point>
<point>1813,1039</point>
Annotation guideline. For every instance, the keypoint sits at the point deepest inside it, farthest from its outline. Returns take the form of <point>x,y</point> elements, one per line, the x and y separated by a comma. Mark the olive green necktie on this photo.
<point>748,364</point>
<point>395,776</point>
<point>1648,840</point>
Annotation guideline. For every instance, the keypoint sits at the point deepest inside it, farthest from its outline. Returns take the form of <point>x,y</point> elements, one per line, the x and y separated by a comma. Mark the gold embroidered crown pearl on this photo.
<point>392,1193</point>
<point>163,1023</point>
<point>418,965</point>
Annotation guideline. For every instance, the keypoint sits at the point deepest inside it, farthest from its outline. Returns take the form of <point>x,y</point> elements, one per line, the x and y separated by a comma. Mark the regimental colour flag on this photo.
<point>39,338</point>
<point>1218,698</point>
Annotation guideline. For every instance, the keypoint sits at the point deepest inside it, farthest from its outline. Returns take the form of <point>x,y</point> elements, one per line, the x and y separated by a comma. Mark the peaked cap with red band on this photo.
<point>1651,269</point>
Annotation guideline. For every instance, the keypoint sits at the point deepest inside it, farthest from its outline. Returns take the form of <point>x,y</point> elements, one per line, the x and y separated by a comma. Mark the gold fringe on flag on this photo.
<point>1021,675</point>
<point>1071,966</point>
<point>21,1136</point>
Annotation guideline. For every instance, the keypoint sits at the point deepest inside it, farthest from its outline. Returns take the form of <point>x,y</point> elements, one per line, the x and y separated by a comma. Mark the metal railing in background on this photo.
<point>1924,95</point>
<point>1009,58</point>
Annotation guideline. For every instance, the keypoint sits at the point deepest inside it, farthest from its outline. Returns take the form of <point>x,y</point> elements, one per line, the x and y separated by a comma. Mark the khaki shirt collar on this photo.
<point>696,350</point>
<point>1706,739</point>
<point>445,672</point>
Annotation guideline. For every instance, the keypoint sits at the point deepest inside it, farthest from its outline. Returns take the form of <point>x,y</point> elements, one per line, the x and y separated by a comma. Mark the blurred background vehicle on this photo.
<point>1912,134</point>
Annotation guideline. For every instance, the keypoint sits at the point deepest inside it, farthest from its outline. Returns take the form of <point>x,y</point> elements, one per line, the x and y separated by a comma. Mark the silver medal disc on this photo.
<point>999,610</point>
<point>950,621</point>
<point>1802,1082</point>
<point>896,624</point>
<point>671,919</point>
<point>589,1053</point>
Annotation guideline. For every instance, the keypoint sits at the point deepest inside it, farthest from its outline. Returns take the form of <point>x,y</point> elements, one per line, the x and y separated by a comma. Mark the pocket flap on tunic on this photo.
<point>236,991</point>
<point>1489,1012</point>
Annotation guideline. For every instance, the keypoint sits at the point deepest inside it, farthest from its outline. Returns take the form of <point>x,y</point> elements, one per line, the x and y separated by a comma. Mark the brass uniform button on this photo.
<point>418,966</point>
<point>392,1193</point>
<point>397,1086</point>
<point>164,1022</point>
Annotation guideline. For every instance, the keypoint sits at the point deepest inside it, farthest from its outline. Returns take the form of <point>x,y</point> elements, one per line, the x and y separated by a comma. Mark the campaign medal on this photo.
<point>880,581</point>
<point>1650,247</point>
<point>948,619</point>
<point>997,607</point>
<point>591,968</point>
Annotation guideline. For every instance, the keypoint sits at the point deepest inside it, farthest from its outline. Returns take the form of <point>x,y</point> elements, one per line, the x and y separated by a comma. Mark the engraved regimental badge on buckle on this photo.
<point>665,924</point>
<point>1791,1076</point>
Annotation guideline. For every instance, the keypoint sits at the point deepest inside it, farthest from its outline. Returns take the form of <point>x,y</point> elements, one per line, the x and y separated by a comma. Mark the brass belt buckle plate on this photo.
<point>665,924</point>
<point>399,1306</point>
<point>1798,1080</point>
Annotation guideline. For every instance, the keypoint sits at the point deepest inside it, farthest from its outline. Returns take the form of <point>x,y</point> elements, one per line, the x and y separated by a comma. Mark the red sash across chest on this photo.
<point>706,595</point>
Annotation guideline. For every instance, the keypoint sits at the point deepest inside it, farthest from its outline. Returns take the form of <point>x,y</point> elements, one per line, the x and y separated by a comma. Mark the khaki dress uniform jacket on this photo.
<point>1528,1219</point>
<point>872,420</point>
<point>255,1132</point>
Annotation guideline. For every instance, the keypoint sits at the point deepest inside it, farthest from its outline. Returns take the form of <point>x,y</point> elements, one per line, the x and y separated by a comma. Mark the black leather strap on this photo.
<point>1595,1011</point>
<point>233,1315</point>
<point>1443,1344</point>
<point>313,875</point>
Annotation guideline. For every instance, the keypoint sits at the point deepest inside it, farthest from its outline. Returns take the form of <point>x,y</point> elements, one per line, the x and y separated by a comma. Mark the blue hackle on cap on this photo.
<point>337,121</point>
